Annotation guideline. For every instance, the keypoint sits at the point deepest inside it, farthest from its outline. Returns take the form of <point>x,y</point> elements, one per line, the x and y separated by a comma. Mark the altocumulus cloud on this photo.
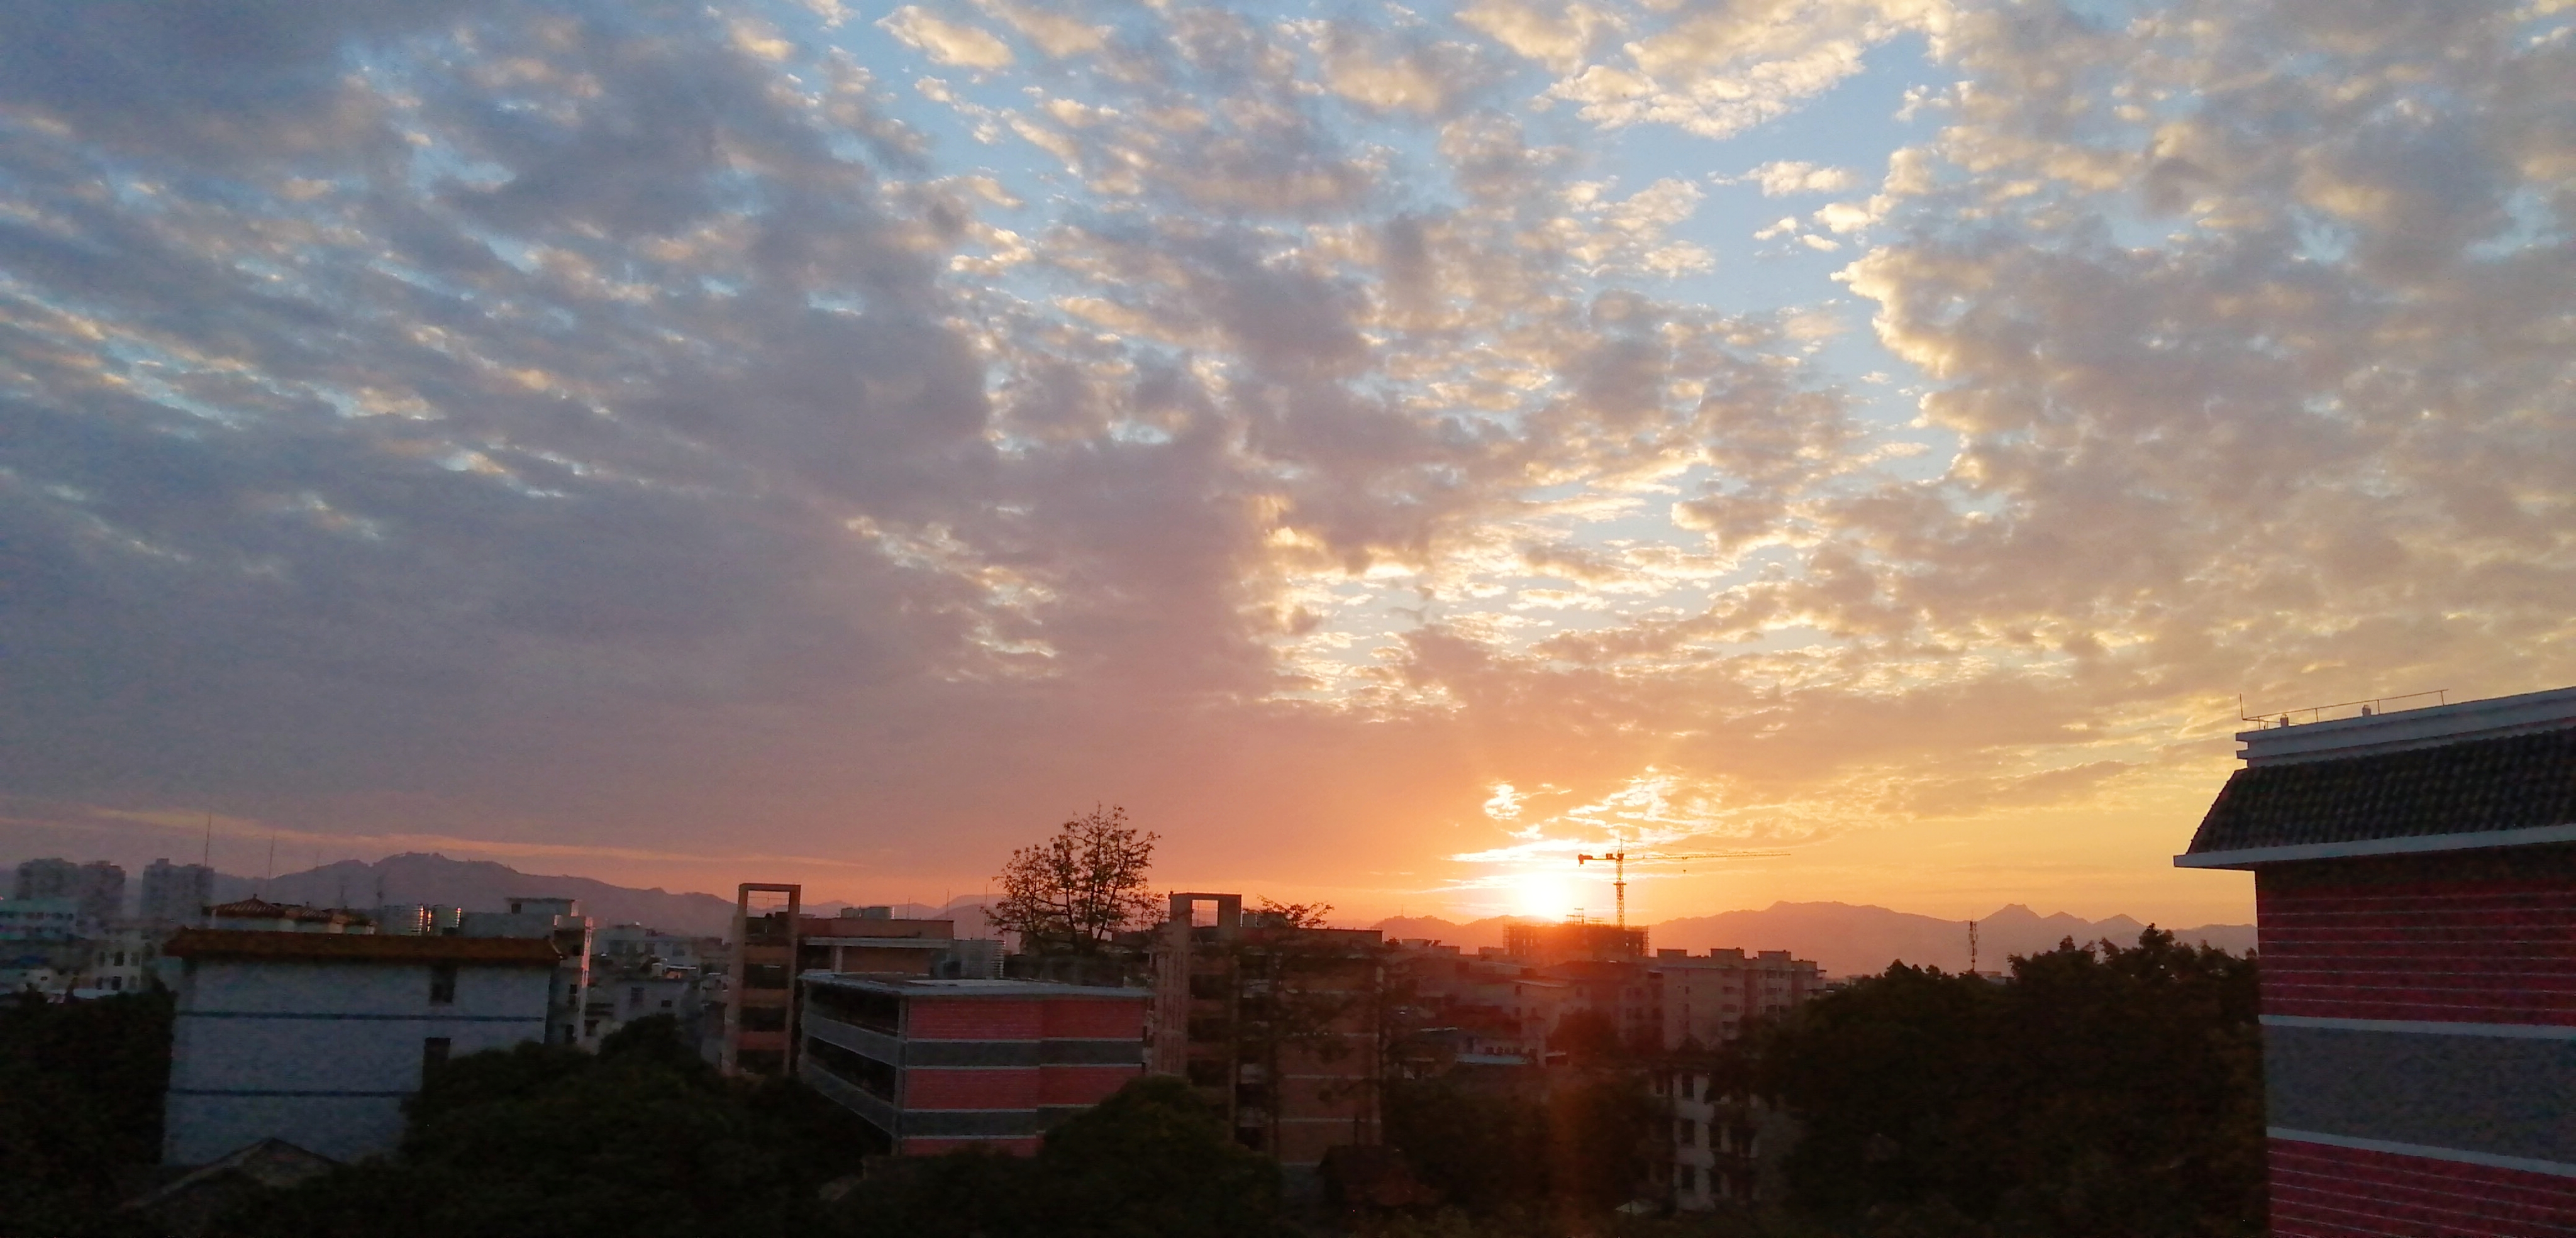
<point>617,422</point>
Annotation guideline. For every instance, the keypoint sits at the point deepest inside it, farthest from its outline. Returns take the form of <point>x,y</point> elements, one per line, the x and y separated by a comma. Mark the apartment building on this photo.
<point>96,888</point>
<point>175,894</point>
<point>1706,999</point>
<point>938,1064</point>
<point>1726,1144</point>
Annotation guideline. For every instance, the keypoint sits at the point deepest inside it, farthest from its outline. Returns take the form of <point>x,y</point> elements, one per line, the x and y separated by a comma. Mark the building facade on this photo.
<point>938,1064</point>
<point>1276,1025</point>
<point>569,1020</point>
<point>175,894</point>
<point>755,1004</point>
<point>97,888</point>
<point>317,1038</point>
<point>1726,1144</point>
<point>758,1001</point>
<point>2415,894</point>
<point>1546,945</point>
<point>1707,999</point>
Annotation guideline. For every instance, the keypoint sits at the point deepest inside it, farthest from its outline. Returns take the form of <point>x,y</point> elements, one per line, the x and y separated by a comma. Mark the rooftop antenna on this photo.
<point>206,859</point>
<point>271,874</point>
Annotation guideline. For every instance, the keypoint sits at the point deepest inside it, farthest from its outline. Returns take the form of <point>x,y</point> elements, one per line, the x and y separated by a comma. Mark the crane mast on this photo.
<point>1619,868</point>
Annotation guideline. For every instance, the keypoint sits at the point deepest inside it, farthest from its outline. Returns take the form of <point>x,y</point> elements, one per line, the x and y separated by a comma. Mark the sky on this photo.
<point>1389,451</point>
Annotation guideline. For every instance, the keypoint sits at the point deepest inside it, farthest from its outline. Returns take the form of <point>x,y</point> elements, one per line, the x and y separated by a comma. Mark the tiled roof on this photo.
<point>2513,783</point>
<point>197,943</point>
<point>261,909</point>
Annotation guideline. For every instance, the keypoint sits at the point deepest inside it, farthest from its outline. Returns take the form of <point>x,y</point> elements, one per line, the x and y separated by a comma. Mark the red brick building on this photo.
<point>2415,889</point>
<point>939,1064</point>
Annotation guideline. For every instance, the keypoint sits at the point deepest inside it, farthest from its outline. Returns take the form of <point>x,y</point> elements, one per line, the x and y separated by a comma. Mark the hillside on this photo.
<point>483,885</point>
<point>1845,939</point>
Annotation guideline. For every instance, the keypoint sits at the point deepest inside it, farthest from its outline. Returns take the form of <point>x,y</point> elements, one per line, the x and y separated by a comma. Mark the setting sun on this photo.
<point>1544,894</point>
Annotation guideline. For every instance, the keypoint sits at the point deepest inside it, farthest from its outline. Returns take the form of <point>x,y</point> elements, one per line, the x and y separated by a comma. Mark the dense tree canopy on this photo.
<point>1574,1149</point>
<point>80,1107</point>
<point>2102,1091</point>
<point>1152,1161</point>
<point>641,1139</point>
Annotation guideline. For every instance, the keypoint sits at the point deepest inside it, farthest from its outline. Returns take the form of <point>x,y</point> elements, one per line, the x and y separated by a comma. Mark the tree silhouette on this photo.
<point>1073,892</point>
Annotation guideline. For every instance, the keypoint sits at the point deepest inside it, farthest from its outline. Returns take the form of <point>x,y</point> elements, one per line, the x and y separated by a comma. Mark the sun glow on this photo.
<point>1547,895</point>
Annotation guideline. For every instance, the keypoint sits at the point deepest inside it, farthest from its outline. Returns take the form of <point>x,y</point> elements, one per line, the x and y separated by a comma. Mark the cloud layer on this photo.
<point>632,426</point>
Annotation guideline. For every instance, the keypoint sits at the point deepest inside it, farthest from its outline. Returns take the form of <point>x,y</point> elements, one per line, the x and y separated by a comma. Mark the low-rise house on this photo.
<point>316,1038</point>
<point>936,1065</point>
<point>258,915</point>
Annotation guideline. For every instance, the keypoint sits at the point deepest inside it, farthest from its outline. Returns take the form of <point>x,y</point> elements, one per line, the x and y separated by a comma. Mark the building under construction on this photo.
<point>775,942</point>
<point>1575,941</point>
<point>1276,1025</point>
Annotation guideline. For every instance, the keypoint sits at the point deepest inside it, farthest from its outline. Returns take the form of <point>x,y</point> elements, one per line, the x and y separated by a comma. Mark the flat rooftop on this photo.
<point>922,986</point>
<point>2400,730</point>
<point>280,947</point>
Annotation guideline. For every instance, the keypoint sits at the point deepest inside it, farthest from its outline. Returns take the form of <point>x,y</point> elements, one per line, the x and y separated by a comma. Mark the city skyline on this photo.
<point>1390,453</point>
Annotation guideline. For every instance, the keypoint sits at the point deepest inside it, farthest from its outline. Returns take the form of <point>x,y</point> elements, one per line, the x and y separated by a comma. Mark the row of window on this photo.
<point>865,1073</point>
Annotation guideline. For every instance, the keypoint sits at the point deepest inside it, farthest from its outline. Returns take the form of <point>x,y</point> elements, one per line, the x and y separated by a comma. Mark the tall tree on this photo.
<point>1071,893</point>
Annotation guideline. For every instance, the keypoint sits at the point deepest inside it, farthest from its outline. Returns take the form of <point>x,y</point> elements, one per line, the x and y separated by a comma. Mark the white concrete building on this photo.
<point>557,920</point>
<point>121,961</point>
<point>1724,1147</point>
<point>633,945</point>
<point>316,1038</point>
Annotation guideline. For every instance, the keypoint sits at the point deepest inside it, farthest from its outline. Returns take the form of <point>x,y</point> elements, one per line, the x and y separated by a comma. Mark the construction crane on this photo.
<point>1619,867</point>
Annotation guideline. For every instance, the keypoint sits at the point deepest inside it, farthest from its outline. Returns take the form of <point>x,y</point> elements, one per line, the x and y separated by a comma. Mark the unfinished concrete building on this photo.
<point>1275,1024</point>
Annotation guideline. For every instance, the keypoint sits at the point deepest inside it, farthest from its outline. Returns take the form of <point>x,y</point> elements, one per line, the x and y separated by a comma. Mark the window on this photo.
<point>433,1054</point>
<point>635,995</point>
<point>442,987</point>
<point>869,1075</point>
